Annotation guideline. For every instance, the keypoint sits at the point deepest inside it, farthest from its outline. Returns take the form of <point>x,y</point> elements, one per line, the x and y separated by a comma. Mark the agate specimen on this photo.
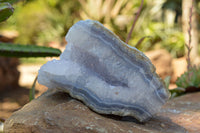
<point>105,73</point>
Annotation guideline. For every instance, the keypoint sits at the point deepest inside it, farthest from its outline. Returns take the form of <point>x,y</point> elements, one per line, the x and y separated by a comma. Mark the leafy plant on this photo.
<point>117,15</point>
<point>191,78</point>
<point>187,82</point>
<point>6,11</point>
<point>167,81</point>
<point>54,20</point>
<point>46,20</point>
<point>13,50</point>
<point>32,90</point>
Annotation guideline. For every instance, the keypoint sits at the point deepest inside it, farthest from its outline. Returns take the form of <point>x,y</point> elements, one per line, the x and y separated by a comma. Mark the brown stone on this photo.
<point>185,111</point>
<point>56,111</point>
<point>162,60</point>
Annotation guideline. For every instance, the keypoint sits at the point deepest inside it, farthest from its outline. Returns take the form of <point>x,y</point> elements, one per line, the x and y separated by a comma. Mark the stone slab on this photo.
<point>56,111</point>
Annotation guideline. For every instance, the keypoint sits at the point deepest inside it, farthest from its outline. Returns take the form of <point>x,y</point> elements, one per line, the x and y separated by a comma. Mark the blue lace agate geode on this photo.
<point>108,75</point>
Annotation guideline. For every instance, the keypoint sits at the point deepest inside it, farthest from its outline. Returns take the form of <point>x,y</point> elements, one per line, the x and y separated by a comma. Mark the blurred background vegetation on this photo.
<point>45,22</point>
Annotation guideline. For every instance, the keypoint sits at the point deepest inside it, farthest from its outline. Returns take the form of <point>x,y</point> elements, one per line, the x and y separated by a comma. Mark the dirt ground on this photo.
<point>13,99</point>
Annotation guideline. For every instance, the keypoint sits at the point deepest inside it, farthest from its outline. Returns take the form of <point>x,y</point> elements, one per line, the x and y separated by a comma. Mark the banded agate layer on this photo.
<point>108,75</point>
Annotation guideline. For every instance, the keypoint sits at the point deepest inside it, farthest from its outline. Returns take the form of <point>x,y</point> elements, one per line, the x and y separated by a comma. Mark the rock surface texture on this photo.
<point>56,111</point>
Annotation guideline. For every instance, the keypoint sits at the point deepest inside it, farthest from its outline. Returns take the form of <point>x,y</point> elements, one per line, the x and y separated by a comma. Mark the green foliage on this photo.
<point>153,22</point>
<point>177,92</point>
<point>174,92</point>
<point>191,78</point>
<point>187,82</point>
<point>6,10</point>
<point>161,37</point>
<point>48,21</point>
<point>167,81</point>
<point>41,22</point>
<point>114,14</point>
<point>60,17</point>
<point>13,50</point>
<point>9,1</point>
<point>173,41</point>
<point>32,90</point>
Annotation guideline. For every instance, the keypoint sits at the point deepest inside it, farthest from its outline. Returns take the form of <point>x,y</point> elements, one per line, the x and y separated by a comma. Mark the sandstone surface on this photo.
<point>55,111</point>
